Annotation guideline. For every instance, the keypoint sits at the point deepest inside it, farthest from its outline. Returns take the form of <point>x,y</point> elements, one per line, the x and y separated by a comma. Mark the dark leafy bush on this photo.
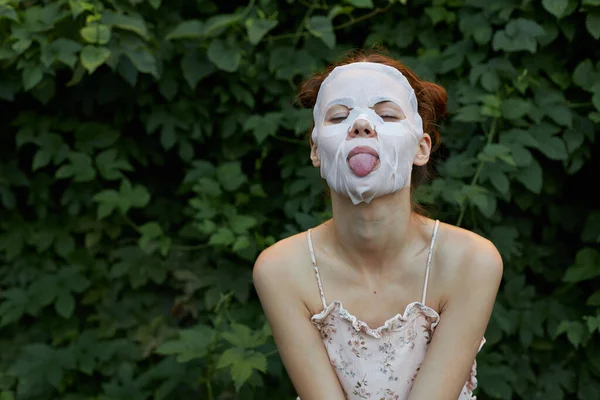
<point>150,150</point>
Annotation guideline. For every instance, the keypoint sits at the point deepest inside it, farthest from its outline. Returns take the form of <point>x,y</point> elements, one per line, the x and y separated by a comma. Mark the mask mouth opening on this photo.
<point>363,160</point>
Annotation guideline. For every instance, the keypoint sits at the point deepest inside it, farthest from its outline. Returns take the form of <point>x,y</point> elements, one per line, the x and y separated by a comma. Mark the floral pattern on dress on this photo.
<point>327,329</point>
<point>428,327</point>
<point>387,394</point>
<point>381,363</point>
<point>413,377</point>
<point>387,364</point>
<point>358,344</point>
<point>360,389</point>
<point>342,365</point>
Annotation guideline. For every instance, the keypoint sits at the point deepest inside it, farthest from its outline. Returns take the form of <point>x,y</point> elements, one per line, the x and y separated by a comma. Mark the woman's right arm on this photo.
<point>300,346</point>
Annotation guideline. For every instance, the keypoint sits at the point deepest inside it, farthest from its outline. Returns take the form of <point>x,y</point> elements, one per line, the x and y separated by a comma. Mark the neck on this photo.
<point>373,235</point>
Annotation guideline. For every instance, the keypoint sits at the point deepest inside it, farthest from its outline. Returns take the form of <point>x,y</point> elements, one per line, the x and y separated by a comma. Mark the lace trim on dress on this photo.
<point>394,323</point>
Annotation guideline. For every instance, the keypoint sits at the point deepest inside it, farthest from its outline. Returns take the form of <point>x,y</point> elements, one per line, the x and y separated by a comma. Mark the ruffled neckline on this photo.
<point>412,310</point>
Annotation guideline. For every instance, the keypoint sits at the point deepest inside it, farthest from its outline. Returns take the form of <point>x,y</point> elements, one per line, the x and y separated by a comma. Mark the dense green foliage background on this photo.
<point>151,149</point>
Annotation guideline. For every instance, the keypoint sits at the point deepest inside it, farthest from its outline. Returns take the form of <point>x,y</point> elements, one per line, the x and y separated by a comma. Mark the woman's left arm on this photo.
<point>464,318</point>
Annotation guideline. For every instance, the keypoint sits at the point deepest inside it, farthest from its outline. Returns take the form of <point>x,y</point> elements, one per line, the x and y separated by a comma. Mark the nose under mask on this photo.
<point>361,165</point>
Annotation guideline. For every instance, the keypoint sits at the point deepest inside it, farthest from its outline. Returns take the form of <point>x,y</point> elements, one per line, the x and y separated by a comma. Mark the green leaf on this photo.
<point>65,305</point>
<point>31,77</point>
<point>137,196</point>
<point>110,166</point>
<point>405,33</point>
<point>531,176</point>
<point>80,167</point>
<point>515,108</point>
<point>93,135</point>
<point>8,12</point>
<point>20,46</point>
<point>439,14</point>
<point>40,362</point>
<point>92,57</point>
<point>339,10</point>
<point>243,337</point>
<point>495,151</point>
<point>574,329</point>
<point>168,88</point>
<point>361,3</point>
<point>41,159</point>
<point>14,305</point>
<point>66,171</point>
<point>242,364</point>
<point>196,67</point>
<point>7,396</point>
<point>92,239</point>
<point>499,180</point>
<point>149,231</point>
<point>230,176</point>
<point>459,166</point>
<point>6,53</point>
<point>470,113</point>
<point>480,197</point>
<point>573,139</point>
<point>190,29</point>
<point>224,55</point>
<point>556,7</point>
<point>586,266</point>
<point>593,323</point>
<point>222,237</point>
<point>230,356</point>
<point>554,148</point>
<point>64,244</point>
<point>561,114</point>
<point>258,28</point>
<point>321,27</point>
<point>79,6</point>
<point>240,224</point>
<point>594,299</point>
<point>596,101</point>
<point>241,243</point>
<point>63,50</point>
<point>490,81</point>
<point>592,22</point>
<point>216,24</point>
<point>519,34</point>
<point>584,75</point>
<point>263,126</point>
<point>506,239</point>
<point>139,54</point>
<point>241,372</point>
<point>591,228</point>
<point>193,343</point>
<point>96,33</point>
<point>132,23</point>
<point>108,200</point>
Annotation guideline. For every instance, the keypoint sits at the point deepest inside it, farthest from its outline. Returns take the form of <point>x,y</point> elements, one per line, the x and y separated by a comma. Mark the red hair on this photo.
<point>431,98</point>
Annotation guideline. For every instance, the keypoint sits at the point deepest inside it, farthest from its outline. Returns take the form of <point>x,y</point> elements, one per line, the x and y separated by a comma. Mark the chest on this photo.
<point>373,300</point>
<point>381,362</point>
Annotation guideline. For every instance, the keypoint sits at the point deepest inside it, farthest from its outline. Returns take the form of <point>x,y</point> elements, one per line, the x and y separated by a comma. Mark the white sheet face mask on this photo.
<point>362,156</point>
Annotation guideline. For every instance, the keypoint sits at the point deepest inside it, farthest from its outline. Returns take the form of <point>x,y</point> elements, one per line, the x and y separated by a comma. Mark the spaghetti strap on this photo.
<point>429,257</point>
<point>314,263</point>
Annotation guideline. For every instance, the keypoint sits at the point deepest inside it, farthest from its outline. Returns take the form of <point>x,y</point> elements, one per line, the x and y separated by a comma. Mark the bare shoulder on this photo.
<point>283,257</point>
<point>284,280</point>
<point>284,267</point>
<point>472,259</point>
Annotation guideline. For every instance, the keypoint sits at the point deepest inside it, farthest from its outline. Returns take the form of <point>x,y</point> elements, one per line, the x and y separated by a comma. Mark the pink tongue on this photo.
<point>362,164</point>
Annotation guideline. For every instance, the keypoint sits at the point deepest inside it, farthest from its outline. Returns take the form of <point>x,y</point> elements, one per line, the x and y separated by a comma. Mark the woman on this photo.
<point>374,124</point>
